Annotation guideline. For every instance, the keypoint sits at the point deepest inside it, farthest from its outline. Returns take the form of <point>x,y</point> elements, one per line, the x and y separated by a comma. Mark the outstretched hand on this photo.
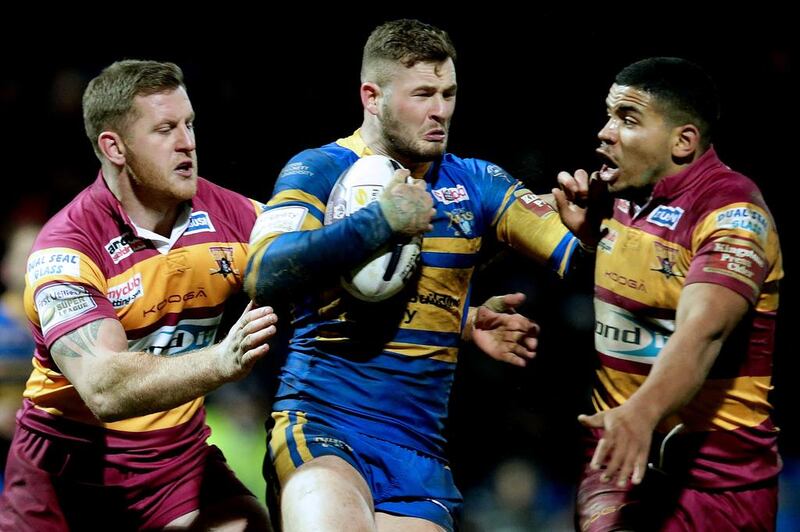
<point>247,341</point>
<point>625,445</point>
<point>503,334</point>
<point>583,202</point>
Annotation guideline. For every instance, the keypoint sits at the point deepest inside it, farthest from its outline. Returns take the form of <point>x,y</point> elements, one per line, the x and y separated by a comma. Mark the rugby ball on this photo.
<point>388,270</point>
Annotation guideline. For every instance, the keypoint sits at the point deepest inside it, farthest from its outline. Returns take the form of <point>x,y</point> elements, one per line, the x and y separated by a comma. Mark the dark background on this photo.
<point>531,99</point>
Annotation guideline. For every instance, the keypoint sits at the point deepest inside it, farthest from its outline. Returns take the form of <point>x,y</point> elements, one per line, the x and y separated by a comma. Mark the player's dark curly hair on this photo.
<point>684,92</point>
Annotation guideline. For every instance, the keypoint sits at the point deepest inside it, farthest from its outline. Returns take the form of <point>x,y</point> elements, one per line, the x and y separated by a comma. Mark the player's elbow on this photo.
<point>104,404</point>
<point>103,407</point>
<point>260,279</point>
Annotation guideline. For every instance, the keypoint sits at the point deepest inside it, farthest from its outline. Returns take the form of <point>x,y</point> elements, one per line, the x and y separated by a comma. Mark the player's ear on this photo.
<point>112,147</point>
<point>370,97</point>
<point>686,141</point>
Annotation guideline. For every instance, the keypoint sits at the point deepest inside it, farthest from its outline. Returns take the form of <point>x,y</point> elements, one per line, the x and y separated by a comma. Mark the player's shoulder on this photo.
<point>78,224</point>
<point>221,198</point>
<point>327,160</point>
<point>725,188</point>
<point>475,167</point>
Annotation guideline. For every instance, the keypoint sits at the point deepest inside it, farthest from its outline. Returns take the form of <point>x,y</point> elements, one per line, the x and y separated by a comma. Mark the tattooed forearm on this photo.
<point>79,342</point>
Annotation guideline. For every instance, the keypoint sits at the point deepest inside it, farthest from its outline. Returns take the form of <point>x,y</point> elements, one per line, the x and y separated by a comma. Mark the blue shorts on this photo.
<point>402,481</point>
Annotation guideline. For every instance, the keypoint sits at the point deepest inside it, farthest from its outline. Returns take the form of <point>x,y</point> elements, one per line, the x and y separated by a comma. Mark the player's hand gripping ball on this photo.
<point>387,271</point>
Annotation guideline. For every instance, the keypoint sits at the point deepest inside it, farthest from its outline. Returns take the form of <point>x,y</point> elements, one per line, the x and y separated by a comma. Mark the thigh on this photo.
<point>212,497</point>
<point>604,506</point>
<point>30,499</point>
<point>396,523</point>
<point>370,473</point>
<point>326,493</point>
<point>753,509</point>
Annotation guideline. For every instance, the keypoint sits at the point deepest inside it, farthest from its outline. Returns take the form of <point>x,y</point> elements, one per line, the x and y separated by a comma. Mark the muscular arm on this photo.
<point>118,384</point>
<point>706,315</point>
<point>282,264</point>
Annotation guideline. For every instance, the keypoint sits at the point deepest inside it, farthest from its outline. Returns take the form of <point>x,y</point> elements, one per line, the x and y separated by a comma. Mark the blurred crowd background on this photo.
<point>530,98</point>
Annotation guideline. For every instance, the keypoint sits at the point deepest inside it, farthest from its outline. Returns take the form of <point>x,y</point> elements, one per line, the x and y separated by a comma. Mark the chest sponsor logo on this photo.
<point>743,218</point>
<point>623,280</point>
<point>667,259</point>
<point>449,195</point>
<point>174,339</point>
<point>174,299</point>
<point>442,301</point>
<point>48,262</point>
<point>223,255</point>
<point>606,244</point>
<point>619,334</point>
<point>126,293</point>
<point>124,246</point>
<point>61,303</point>
<point>533,203</point>
<point>664,216</point>
<point>460,221</point>
<point>199,222</point>
<point>624,206</point>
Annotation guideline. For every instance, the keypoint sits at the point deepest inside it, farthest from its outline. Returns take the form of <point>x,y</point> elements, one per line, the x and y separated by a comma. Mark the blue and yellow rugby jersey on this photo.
<point>386,368</point>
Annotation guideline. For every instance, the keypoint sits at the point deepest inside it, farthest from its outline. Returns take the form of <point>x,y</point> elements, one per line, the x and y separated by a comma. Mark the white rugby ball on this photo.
<point>388,270</point>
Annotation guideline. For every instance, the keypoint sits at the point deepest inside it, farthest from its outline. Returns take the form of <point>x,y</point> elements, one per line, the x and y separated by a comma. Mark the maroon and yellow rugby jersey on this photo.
<point>167,293</point>
<point>706,224</point>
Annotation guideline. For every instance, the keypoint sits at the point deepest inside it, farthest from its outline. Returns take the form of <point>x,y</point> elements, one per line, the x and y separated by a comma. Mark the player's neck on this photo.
<point>144,207</point>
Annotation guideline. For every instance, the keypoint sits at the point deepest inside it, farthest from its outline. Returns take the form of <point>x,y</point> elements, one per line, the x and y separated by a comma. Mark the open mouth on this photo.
<point>185,168</point>
<point>608,172</point>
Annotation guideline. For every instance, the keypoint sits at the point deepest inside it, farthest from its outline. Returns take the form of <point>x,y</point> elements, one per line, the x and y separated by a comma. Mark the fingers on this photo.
<point>512,301</point>
<point>593,422</point>
<point>408,207</point>
<point>506,303</point>
<point>574,189</point>
<point>400,176</point>
<point>562,203</point>
<point>254,328</point>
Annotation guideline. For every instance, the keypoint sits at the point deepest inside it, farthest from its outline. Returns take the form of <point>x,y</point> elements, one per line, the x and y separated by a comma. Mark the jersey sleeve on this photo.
<point>526,222</point>
<point>64,291</point>
<point>291,249</point>
<point>735,246</point>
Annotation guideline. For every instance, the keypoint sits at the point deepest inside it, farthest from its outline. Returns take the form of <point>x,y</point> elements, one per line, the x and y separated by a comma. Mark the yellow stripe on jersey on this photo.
<point>439,300</point>
<point>451,245</point>
<point>645,280</point>
<point>185,293</point>
<point>47,388</point>
<point>257,206</point>
<point>355,144</point>
<point>721,404</point>
<point>535,236</point>
<point>444,354</point>
<point>745,220</point>
<point>279,446</point>
<point>295,194</point>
